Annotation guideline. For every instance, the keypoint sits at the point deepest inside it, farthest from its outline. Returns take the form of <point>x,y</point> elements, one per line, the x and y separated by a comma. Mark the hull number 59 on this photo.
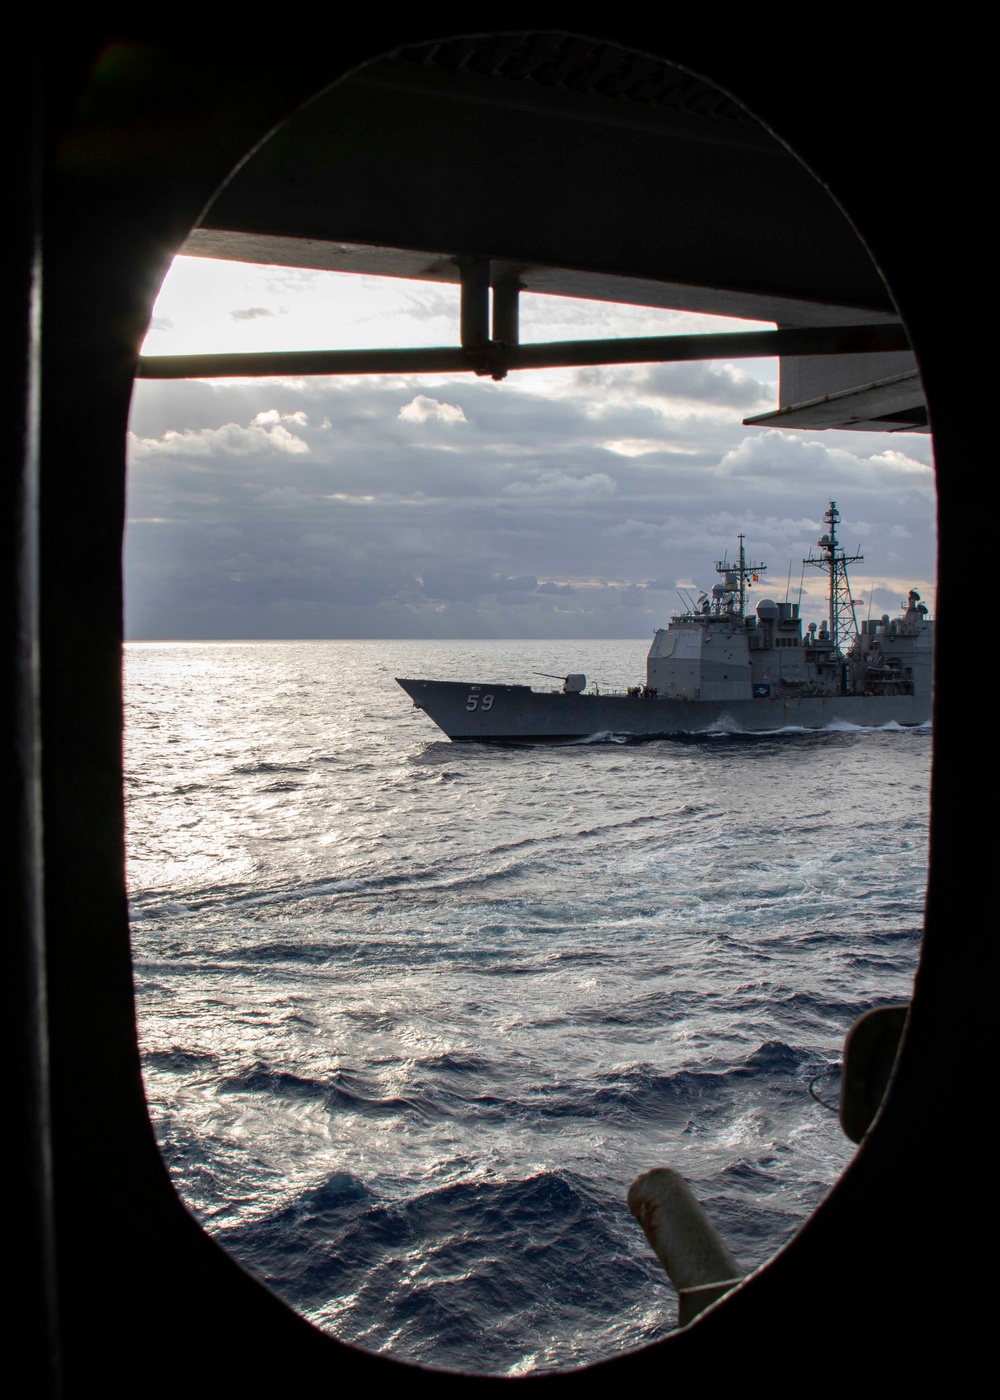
<point>479,702</point>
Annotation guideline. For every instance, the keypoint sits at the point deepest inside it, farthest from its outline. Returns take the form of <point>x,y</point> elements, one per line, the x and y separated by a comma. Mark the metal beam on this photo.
<point>474,320</point>
<point>496,358</point>
<point>893,404</point>
<point>506,298</point>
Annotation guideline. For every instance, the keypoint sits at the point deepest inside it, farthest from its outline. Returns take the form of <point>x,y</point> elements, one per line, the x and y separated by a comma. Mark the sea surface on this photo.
<point>414,1014</point>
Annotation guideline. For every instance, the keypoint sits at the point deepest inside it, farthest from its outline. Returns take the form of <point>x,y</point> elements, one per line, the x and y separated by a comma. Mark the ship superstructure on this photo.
<point>716,665</point>
<point>715,652</point>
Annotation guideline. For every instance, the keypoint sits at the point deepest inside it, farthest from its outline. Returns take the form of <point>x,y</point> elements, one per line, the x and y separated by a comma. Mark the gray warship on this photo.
<point>715,668</point>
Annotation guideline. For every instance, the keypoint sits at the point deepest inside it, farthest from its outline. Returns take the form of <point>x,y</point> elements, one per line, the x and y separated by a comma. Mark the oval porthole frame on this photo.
<point>130,1275</point>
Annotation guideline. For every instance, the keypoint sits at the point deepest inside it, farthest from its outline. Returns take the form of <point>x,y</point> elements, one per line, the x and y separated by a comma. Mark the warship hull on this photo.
<point>715,668</point>
<point>518,714</point>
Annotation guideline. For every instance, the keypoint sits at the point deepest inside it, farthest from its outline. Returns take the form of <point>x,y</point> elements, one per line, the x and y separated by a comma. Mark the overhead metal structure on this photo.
<point>543,162</point>
<point>494,356</point>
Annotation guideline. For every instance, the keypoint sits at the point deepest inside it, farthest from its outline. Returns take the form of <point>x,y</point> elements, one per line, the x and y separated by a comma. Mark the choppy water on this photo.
<point>414,1014</point>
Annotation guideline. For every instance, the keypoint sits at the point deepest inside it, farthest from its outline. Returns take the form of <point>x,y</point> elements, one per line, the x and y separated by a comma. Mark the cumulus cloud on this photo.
<point>783,456</point>
<point>560,483</point>
<point>423,409</point>
<point>250,313</point>
<point>266,433</point>
<point>691,387</point>
<point>271,415</point>
<point>709,383</point>
<point>899,462</point>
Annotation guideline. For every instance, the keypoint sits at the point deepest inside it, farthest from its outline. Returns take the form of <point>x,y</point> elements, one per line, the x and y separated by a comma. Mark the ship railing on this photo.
<point>594,689</point>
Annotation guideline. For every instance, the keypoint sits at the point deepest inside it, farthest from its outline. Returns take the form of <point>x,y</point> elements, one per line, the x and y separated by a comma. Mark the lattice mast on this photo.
<point>834,561</point>
<point>738,577</point>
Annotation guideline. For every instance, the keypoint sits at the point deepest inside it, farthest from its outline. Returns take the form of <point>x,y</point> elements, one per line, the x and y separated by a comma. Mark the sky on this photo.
<point>555,503</point>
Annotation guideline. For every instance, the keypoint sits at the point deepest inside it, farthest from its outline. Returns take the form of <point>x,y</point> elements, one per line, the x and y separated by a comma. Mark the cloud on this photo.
<point>632,529</point>
<point>429,505</point>
<point>421,409</point>
<point>718,388</point>
<point>271,415</point>
<point>351,520</point>
<point>782,456</point>
<point>559,483</point>
<point>635,447</point>
<point>708,383</point>
<point>266,432</point>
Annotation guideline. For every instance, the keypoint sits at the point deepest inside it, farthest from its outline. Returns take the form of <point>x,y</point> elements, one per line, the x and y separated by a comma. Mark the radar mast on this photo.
<point>834,561</point>
<point>738,577</point>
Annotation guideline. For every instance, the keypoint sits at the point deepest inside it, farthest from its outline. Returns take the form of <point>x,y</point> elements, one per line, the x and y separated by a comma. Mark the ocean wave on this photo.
<point>473,1089</point>
<point>457,996</point>
<point>264,768</point>
<point>342,1091</point>
<point>469,1274</point>
<point>179,1061</point>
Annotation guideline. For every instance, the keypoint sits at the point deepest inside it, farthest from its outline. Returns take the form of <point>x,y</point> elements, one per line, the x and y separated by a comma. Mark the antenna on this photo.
<point>745,575</point>
<point>788,584</point>
<point>871,596</point>
<point>834,562</point>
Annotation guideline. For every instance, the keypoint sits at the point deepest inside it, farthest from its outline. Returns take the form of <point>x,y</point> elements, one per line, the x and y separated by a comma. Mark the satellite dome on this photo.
<point>767,610</point>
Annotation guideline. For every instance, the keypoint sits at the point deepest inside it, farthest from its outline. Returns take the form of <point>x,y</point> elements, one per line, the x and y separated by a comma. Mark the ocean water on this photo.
<point>414,1014</point>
